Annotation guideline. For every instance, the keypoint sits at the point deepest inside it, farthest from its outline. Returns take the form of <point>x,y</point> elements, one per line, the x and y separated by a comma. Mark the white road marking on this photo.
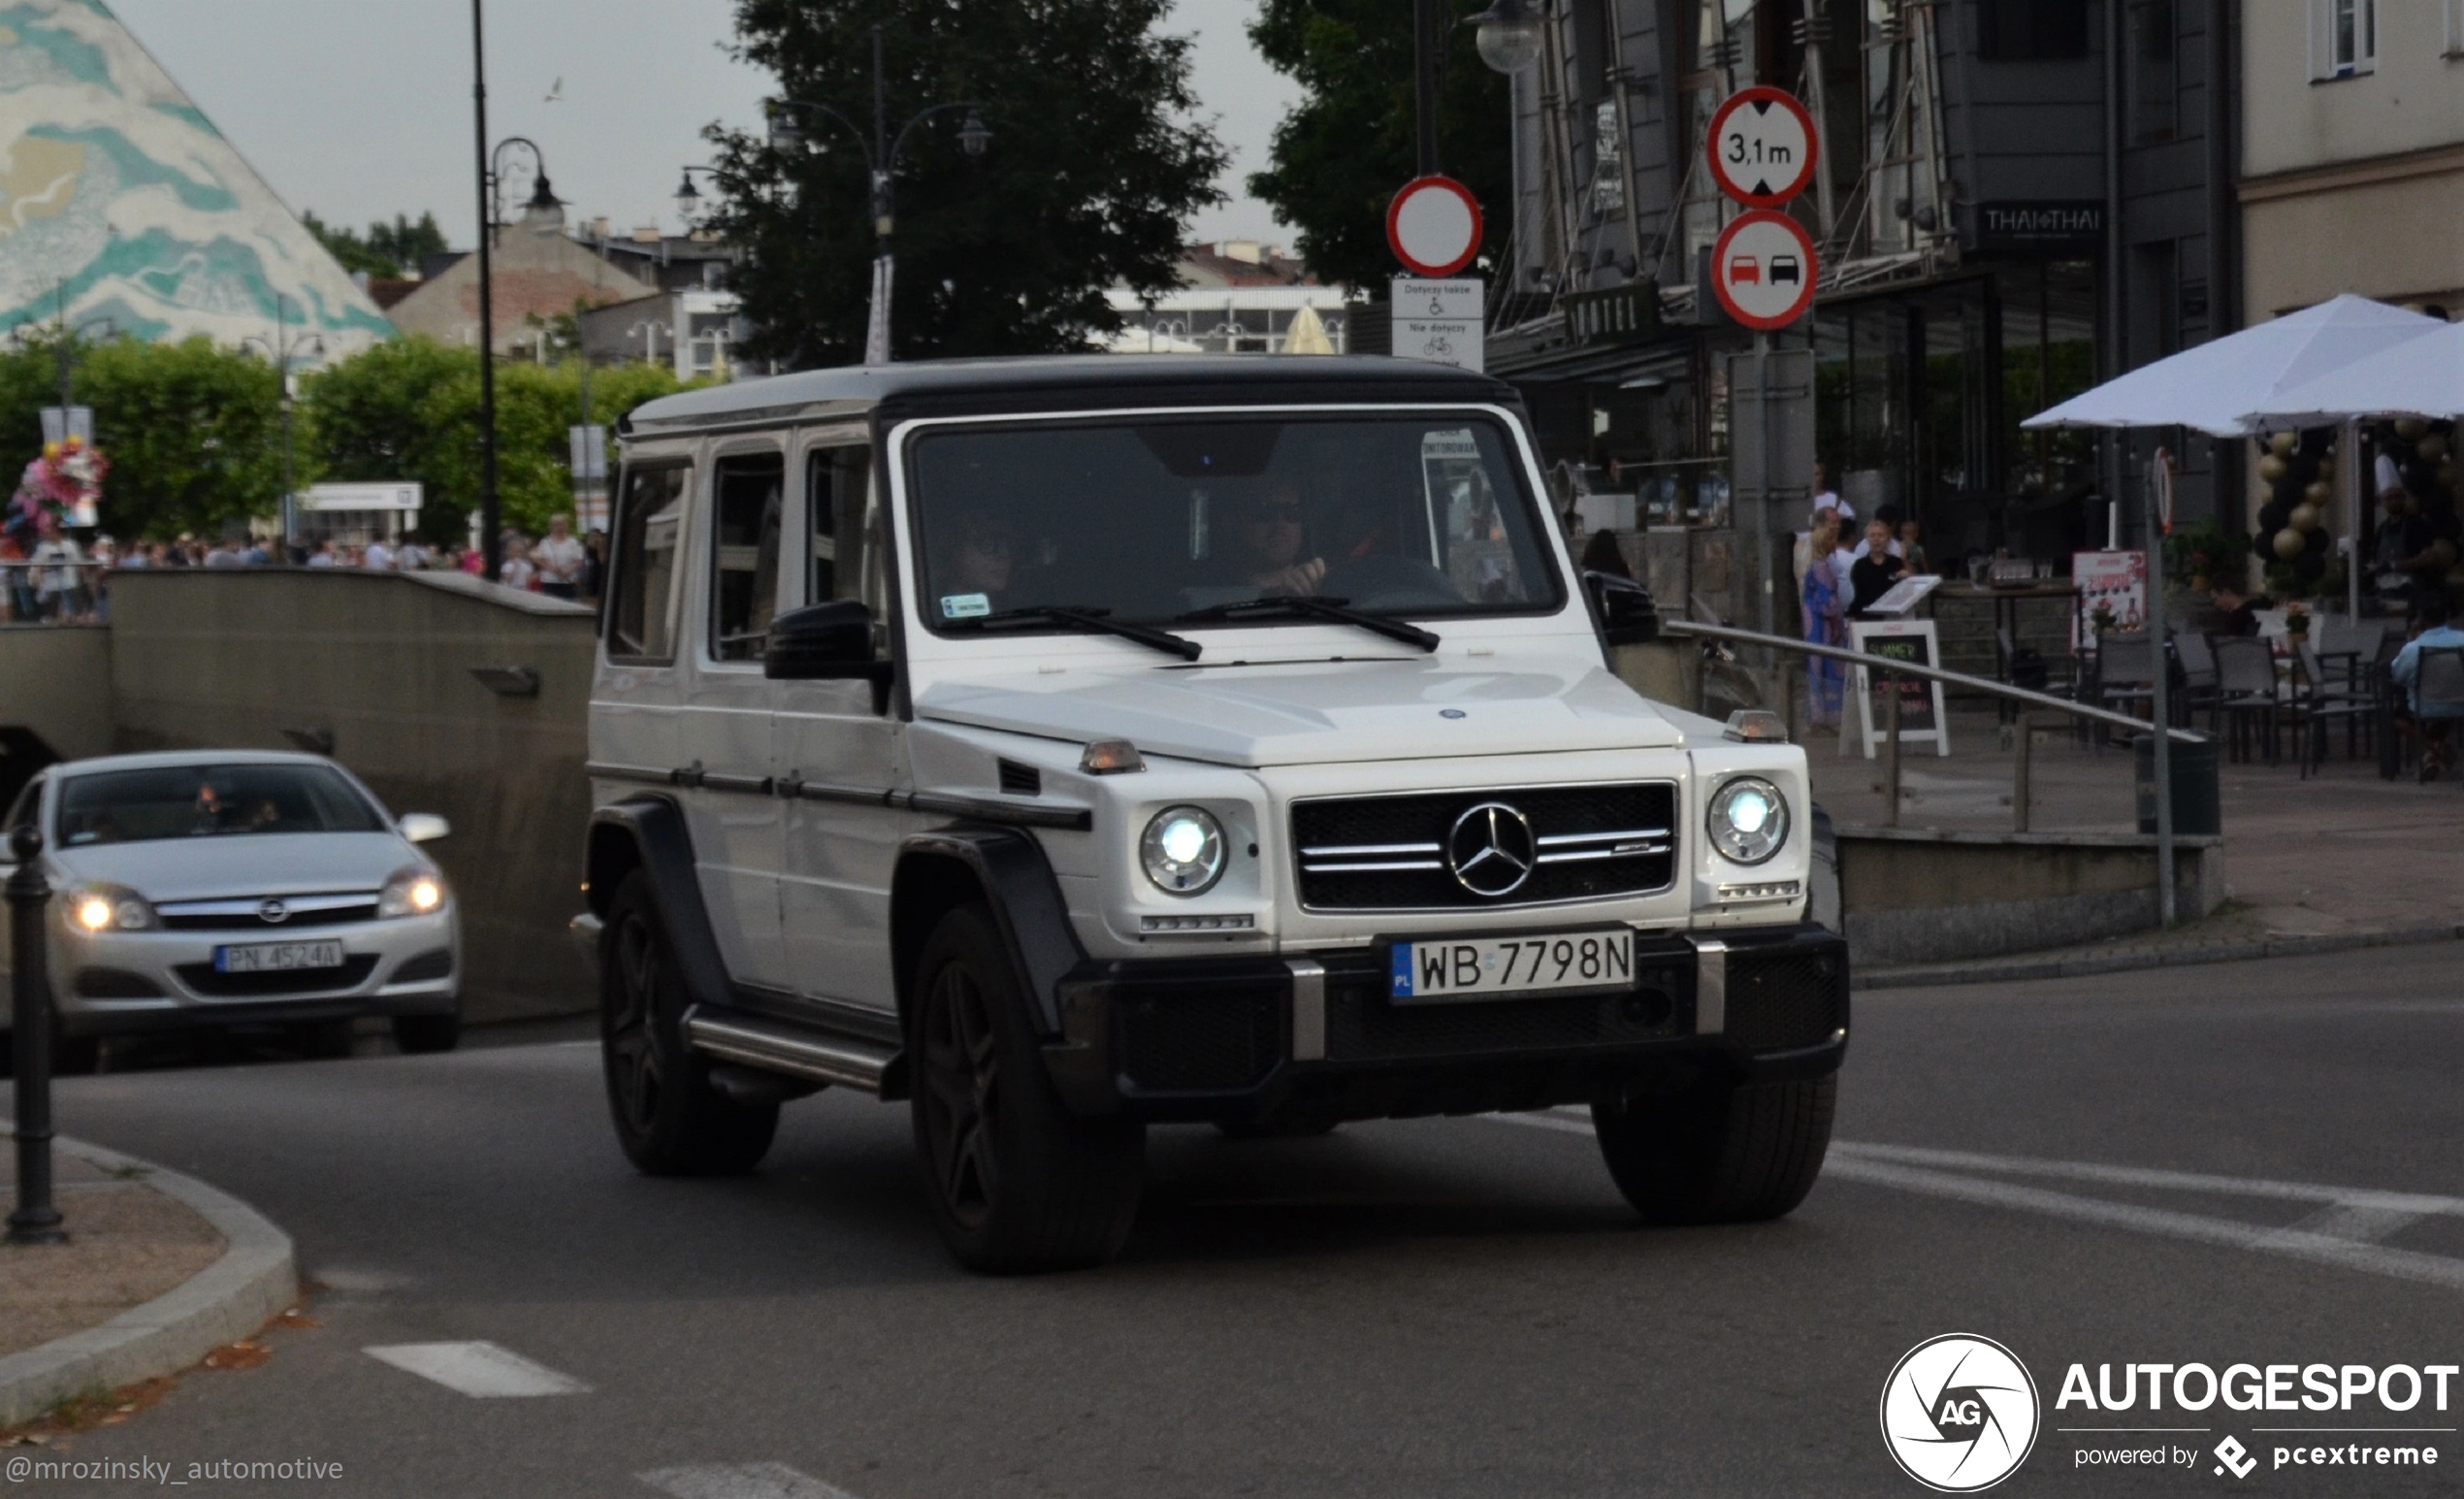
<point>482,1371</point>
<point>2172,1181</point>
<point>2342,1233</point>
<point>740,1480</point>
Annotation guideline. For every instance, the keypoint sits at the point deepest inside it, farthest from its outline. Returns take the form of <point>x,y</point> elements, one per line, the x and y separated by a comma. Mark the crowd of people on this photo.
<point>60,580</point>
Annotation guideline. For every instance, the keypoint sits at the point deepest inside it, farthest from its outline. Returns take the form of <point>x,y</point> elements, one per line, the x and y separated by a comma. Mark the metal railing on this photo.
<point>2020,771</point>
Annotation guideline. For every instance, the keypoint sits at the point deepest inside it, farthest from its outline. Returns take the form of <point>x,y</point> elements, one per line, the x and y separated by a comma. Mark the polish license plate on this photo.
<point>1527,963</point>
<point>276,957</point>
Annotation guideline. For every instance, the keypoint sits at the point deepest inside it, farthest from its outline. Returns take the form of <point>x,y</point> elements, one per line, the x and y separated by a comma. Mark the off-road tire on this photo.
<point>1016,1185</point>
<point>669,1119</point>
<point>424,1035</point>
<point>1719,1152</point>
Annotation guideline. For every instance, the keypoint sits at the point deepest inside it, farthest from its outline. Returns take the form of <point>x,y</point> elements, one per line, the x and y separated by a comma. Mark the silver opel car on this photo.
<point>228,888</point>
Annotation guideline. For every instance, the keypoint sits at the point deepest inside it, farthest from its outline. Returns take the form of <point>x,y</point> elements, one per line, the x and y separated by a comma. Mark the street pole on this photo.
<point>1424,83</point>
<point>2161,747</point>
<point>490,549</point>
<point>35,1220</point>
<point>877,332</point>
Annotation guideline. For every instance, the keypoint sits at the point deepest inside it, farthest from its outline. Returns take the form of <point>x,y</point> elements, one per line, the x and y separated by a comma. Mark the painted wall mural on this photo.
<point>119,198</point>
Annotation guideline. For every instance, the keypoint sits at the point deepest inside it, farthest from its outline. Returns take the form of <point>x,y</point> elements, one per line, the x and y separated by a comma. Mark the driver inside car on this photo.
<point>1274,532</point>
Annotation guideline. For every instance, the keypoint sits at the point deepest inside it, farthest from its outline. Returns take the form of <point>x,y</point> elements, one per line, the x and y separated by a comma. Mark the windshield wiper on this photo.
<point>1084,618</point>
<point>1313,607</point>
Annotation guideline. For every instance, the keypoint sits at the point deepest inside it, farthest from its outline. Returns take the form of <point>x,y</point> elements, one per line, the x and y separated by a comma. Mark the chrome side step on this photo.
<point>791,1050</point>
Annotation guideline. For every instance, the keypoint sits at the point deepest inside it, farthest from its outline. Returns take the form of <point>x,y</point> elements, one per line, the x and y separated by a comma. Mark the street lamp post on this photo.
<point>282,350</point>
<point>882,154</point>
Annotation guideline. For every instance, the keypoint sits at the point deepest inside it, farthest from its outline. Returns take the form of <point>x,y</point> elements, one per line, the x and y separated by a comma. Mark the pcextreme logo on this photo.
<point>1959,1413</point>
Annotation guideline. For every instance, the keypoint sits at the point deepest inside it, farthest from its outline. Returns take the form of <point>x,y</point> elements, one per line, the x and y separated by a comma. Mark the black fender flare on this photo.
<point>1017,882</point>
<point>656,826</point>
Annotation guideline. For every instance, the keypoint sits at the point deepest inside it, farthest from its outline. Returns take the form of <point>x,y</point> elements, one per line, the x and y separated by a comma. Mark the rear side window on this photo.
<point>649,528</point>
<point>747,511</point>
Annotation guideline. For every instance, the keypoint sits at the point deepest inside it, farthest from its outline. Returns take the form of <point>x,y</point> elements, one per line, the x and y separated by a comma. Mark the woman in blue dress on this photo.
<point>1824,609</point>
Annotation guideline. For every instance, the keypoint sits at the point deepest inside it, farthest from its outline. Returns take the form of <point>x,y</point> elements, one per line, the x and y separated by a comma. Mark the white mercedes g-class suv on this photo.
<point>1068,744</point>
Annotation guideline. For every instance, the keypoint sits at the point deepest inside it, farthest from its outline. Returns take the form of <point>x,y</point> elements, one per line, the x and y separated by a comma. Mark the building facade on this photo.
<point>2353,153</point>
<point>2013,200</point>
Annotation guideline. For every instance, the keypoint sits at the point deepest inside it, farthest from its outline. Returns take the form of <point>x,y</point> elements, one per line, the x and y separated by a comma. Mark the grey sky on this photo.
<point>361,109</point>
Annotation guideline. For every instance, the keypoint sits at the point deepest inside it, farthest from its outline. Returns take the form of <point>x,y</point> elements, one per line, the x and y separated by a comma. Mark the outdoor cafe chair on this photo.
<point>2327,695</point>
<point>2438,690</point>
<point>2126,669</point>
<point>2246,694</point>
<point>2197,664</point>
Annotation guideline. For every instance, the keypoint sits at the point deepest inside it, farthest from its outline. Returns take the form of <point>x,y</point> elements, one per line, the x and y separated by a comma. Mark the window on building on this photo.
<point>2343,40</point>
<point>2030,30</point>
<point>640,606</point>
<point>745,516</point>
<point>2152,83</point>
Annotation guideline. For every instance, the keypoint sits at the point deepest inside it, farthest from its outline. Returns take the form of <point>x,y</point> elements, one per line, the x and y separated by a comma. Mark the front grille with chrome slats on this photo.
<point>266,913</point>
<point>1390,852</point>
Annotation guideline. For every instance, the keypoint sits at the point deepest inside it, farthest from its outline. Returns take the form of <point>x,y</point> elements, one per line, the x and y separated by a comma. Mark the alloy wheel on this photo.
<point>962,1079</point>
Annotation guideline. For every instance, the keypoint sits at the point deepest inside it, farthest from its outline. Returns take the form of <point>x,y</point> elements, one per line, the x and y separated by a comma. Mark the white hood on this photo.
<point>1320,711</point>
<point>237,864</point>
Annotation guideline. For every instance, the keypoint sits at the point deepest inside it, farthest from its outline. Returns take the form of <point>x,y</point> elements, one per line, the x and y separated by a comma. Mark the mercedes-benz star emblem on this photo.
<point>273,911</point>
<point>1492,849</point>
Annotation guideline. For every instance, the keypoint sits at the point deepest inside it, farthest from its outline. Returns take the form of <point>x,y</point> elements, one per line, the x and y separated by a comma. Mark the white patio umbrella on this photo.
<point>2217,386</point>
<point>2422,377</point>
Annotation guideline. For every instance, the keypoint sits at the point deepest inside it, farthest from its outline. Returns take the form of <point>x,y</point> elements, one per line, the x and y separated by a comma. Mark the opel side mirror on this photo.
<point>1624,608</point>
<point>422,826</point>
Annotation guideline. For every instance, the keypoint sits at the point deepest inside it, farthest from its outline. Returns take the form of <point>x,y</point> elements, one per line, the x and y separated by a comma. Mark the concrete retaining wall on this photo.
<point>381,663</point>
<point>1919,896</point>
<point>57,681</point>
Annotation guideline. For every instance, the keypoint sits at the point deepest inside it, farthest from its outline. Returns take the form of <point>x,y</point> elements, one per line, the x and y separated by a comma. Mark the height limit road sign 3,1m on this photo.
<point>1762,147</point>
<point>1763,270</point>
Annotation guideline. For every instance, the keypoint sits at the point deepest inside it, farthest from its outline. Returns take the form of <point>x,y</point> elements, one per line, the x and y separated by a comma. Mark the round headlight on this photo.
<point>94,913</point>
<point>1749,819</point>
<point>1182,850</point>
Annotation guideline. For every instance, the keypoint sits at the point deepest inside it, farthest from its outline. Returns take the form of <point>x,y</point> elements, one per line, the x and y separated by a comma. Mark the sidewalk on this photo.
<point>2341,856</point>
<point>159,1270</point>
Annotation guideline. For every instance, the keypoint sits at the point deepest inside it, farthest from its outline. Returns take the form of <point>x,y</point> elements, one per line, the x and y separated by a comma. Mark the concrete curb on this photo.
<point>2005,970</point>
<point>256,1280</point>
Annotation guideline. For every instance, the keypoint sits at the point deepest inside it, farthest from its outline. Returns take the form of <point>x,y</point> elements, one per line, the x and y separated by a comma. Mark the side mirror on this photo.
<point>422,826</point>
<point>823,642</point>
<point>1624,608</point>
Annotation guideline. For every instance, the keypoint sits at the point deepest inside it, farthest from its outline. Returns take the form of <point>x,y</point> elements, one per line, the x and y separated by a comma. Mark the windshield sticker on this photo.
<point>965,606</point>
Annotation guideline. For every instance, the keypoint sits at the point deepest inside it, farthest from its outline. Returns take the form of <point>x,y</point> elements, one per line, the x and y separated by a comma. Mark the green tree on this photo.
<point>1340,155</point>
<point>192,430</point>
<point>385,249</point>
<point>1095,169</point>
<point>408,408</point>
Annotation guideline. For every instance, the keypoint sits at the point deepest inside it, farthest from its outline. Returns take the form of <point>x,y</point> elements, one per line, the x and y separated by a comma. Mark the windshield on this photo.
<point>196,802</point>
<point>1155,518</point>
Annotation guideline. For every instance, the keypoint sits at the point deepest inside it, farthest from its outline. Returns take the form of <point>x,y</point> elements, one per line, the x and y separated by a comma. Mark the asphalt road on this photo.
<point>1424,1309</point>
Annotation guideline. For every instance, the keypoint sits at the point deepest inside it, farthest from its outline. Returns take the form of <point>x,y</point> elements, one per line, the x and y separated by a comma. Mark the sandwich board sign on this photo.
<point>1922,716</point>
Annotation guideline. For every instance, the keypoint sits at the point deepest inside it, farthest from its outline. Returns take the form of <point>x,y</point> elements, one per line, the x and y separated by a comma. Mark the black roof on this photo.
<point>1069,382</point>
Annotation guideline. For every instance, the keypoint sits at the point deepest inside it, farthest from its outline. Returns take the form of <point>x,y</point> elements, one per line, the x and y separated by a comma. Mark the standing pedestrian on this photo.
<point>1820,597</point>
<point>516,570</point>
<point>558,558</point>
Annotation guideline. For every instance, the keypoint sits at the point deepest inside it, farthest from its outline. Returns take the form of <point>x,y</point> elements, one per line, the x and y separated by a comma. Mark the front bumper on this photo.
<point>127,982</point>
<point>1315,1035</point>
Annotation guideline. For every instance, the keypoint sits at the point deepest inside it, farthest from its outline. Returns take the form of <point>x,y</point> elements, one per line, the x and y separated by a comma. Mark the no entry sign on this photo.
<point>1762,147</point>
<point>1763,270</point>
<point>1434,226</point>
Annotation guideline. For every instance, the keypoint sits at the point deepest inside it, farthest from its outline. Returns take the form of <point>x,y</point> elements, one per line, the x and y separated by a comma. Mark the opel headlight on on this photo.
<point>412,893</point>
<point>1183,851</point>
<point>94,909</point>
<point>1748,820</point>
